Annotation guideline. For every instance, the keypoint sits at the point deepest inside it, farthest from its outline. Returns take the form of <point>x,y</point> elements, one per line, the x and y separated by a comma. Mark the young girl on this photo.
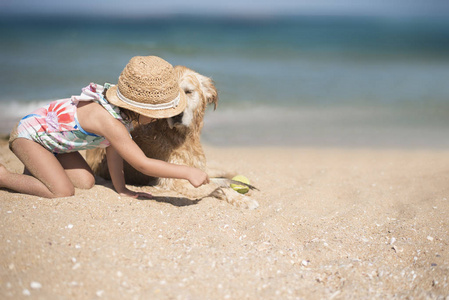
<point>48,140</point>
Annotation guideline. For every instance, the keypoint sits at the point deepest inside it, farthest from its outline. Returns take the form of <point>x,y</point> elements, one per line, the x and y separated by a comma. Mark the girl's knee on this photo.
<point>82,179</point>
<point>87,183</point>
<point>64,191</point>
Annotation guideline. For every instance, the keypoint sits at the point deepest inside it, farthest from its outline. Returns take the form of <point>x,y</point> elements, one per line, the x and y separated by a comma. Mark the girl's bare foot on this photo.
<point>3,173</point>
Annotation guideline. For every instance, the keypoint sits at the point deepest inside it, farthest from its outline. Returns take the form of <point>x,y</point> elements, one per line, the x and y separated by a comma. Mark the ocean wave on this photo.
<point>329,126</point>
<point>12,111</point>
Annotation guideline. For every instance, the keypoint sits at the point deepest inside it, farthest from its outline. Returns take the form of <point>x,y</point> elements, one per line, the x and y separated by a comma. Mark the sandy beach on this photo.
<point>332,224</point>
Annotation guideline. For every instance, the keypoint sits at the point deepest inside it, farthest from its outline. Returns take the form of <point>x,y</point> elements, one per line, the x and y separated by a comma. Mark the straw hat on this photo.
<point>148,86</point>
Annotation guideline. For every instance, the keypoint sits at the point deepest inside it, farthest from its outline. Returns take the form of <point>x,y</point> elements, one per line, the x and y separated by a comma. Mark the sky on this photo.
<point>141,8</point>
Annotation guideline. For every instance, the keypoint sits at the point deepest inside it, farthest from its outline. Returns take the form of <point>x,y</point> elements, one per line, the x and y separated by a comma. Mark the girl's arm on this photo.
<point>115,166</point>
<point>97,120</point>
<point>119,138</point>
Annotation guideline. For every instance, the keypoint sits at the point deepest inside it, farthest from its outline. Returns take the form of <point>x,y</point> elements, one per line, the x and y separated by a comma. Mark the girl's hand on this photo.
<point>197,177</point>
<point>135,195</point>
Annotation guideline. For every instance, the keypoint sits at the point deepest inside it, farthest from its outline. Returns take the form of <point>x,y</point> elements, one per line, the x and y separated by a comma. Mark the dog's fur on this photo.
<point>177,140</point>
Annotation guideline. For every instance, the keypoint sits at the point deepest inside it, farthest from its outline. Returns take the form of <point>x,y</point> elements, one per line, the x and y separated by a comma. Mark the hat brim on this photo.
<point>111,96</point>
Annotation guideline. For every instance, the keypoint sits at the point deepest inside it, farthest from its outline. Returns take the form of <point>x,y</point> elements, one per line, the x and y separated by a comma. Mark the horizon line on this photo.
<point>219,15</point>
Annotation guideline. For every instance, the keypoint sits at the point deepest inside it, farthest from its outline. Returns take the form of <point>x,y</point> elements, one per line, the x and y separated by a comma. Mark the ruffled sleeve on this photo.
<point>94,92</point>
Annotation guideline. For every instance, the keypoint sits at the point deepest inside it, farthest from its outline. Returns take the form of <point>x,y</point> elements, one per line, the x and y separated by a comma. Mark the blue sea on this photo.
<point>303,81</point>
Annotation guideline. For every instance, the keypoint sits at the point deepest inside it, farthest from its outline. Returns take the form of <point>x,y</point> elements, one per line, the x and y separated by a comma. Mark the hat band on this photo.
<point>172,104</point>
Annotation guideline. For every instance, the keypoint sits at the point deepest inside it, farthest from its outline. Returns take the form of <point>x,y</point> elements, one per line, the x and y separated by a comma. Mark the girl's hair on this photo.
<point>128,115</point>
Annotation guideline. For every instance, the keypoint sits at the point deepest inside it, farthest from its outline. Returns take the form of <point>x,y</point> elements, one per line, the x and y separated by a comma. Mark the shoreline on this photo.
<point>320,127</point>
<point>332,223</point>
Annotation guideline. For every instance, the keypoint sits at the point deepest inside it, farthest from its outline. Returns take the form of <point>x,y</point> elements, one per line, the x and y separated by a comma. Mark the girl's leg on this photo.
<point>48,179</point>
<point>79,172</point>
<point>77,169</point>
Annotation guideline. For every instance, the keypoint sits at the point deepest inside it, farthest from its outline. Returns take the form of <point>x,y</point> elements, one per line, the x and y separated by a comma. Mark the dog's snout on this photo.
<point>178,118</point>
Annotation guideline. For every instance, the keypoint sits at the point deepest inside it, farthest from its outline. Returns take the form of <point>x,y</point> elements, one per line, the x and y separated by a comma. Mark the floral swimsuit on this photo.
<point>56,126</point>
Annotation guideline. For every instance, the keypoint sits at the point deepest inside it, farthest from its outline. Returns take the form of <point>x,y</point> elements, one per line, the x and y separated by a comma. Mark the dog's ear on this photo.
<point>209,90</point>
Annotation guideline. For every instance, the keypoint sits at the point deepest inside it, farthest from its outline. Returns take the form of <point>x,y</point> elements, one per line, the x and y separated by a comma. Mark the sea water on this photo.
<point>296,81</point>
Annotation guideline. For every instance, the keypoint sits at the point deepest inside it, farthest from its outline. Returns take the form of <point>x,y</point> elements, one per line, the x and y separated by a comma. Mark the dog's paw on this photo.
<point>240,200</point>
<point>249,203</point>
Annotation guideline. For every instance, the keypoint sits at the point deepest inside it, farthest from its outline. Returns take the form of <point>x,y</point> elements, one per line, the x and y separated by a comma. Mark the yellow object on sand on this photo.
<point>242,189</point>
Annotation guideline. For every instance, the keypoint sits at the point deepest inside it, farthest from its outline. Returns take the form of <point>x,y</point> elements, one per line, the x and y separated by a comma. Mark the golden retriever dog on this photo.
<point>177,140</point>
